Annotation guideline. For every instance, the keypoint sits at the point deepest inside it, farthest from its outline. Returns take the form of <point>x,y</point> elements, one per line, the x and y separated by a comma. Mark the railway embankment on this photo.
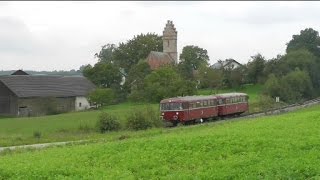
<point>285,109</point>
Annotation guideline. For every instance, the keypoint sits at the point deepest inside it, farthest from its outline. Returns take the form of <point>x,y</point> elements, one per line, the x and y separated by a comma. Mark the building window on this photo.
<point>80,104</point>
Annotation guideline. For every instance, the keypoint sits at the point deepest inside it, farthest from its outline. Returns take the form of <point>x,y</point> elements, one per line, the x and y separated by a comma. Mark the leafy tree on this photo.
<point>296,86</point>
<point>275,66</point>
<point>293,87</point>
<point>209,77</point>
<point>103,74</point>
<point>102,96</point>
<point>135,81</point>
<point>255,69</point>
<point>301,58</point>
<point>190,60</point>
<point>236,77</point>
<point>165,82</point>
<point>272,86</point>
<point>307,39</point>
<point>106,53</point>
<point>128,54</point>
<point>233,78</point>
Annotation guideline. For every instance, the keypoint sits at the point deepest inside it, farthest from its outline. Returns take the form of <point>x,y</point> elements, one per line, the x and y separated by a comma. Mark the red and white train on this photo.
<point>192,108</point>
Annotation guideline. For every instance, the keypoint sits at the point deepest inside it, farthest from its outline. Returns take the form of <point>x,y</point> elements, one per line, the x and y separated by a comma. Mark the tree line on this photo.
<point>122,72</point>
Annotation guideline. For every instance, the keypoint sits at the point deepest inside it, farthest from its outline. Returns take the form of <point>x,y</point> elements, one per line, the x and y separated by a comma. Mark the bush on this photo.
<point>154,117</point>
<point>143,119</point>
<point>37,134</point>
<point>107,123</point>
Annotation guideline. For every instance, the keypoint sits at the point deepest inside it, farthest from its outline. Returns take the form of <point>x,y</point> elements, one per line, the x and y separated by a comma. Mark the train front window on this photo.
<point>171,106</point>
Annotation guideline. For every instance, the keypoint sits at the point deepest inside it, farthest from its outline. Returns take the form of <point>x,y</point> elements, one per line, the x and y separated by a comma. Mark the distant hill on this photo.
<point>61,73</point>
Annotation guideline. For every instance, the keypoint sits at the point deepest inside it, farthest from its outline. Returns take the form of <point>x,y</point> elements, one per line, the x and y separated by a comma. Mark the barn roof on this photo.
<point>47,86</point>
<point>19,72</point>
<point>157,59</point>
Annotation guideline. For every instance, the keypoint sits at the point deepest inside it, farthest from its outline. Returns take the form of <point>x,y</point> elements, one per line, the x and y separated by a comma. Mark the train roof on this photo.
<point>188,98</point>
<point>225,95</point>
<point>195,98</point>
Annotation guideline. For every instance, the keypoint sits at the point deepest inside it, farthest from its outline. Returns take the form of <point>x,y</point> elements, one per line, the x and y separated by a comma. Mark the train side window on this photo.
<point>184,105</point>
<point>192,105</point>
<point>221,101</point>
<point>212,102</point>
<point>198,104</point>
<point>205,103</point>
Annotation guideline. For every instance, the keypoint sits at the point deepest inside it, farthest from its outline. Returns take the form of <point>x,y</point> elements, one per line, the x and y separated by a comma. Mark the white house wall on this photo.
<point>81,104</point>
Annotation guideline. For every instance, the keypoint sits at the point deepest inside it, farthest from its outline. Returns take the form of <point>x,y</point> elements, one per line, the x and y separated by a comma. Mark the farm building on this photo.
<point>27,95</point>
<point>227,64</point>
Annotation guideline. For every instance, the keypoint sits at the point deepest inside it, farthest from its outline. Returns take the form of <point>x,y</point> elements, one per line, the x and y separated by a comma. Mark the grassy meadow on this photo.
<point>77,125</point>
<point>62,127</point>
<point>274,147</point>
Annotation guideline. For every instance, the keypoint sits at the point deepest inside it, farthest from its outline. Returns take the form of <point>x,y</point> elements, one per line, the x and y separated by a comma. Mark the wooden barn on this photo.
<point>29,95</point>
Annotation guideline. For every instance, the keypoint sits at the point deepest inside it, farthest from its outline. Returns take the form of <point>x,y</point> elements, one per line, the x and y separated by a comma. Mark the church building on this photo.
<point>169,54</point>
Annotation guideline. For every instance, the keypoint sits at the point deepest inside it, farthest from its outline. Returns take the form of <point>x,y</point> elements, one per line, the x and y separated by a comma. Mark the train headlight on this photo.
<point>177,113</point>
<point>162,114</point>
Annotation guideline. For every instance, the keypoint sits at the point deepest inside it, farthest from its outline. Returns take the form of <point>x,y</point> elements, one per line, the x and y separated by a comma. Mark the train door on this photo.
<point>185,107</point>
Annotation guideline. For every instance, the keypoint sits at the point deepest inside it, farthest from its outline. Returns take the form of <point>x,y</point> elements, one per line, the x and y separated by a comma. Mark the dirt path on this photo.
<point>40,146</point>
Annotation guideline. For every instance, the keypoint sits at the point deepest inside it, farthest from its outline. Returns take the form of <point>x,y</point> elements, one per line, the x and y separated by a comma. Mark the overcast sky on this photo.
<point>65,35</point>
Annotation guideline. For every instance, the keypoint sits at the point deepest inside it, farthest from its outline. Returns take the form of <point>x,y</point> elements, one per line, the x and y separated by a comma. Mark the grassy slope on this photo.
<point>252,90</point>
<point>63,127</point>
<point>74,126</point>
<point>275,147</point>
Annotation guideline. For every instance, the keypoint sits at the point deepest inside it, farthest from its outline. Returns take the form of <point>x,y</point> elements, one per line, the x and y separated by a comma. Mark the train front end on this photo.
<point>172,111</point>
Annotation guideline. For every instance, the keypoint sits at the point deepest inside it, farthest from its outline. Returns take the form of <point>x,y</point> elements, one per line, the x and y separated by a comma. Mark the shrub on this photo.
<point>107,122</point>
<point>143,119</point>
<point>37,134</point>
<point>138,121</point>
<point>154,117</point>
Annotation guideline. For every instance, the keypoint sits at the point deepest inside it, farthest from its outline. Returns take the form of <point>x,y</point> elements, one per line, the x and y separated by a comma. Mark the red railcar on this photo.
<point>232,103</point>
<point>188,108</point>
<point>191,108</point>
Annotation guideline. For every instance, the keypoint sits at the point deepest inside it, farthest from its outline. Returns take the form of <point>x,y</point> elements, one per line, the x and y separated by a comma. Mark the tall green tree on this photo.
<point>106,53</point>
<point>194,56</point>
<point>135,81</point>
<point>190,60</point>
<point>105,75</point>
<point>255,69</point>
<point>307,39</point>
<point>129,53</point>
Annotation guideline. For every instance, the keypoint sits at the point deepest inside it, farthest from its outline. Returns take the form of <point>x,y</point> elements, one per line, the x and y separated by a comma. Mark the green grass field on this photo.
<point>62,127</point>
<point>76,125</point>
<point>274,147</point>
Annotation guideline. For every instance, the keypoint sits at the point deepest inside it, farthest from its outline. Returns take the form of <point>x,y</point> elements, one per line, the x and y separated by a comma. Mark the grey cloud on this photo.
<point>15,36</point>
<point>268,14</point>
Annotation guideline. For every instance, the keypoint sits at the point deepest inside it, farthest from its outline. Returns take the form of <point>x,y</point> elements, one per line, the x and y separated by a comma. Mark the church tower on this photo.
<point>170,41</point>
